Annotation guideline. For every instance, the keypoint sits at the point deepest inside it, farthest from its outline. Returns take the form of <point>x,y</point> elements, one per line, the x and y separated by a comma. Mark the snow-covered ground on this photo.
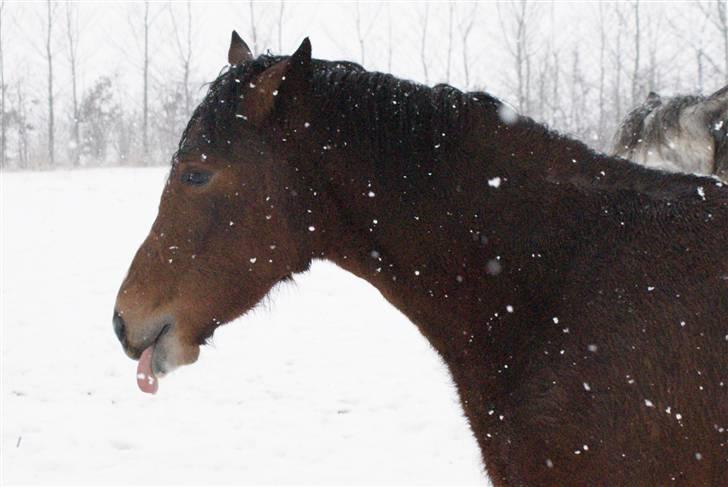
<point>325,384</point>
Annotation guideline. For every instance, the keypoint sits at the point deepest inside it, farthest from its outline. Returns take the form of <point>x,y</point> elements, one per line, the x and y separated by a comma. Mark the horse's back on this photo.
<point>636,356</point>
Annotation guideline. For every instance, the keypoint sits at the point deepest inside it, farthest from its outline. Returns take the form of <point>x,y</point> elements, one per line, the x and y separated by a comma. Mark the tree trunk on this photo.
<point>699,54</point>
<point>523,61</point>
<point>3,120</point>
<point>423,44</point>
<point>184,49</point>
<point>528,83</point>
<point>635,72</point>
<point>389,38</point>
<point>49,57</point>
<point>451,11</point>
<point>187,61</point>
<point>519,63</point>
<point>466,34</point>
<point>22,128</point>
<point>145,96</point>
<point>359,35</point>
<point>72,46</point>
<point>542,74</point>
<point>618,70</point>
<point>555,80</point>
<point>280,27</point>
<point>602,48</point>
<point>722,7</point>
<point>253,31</point>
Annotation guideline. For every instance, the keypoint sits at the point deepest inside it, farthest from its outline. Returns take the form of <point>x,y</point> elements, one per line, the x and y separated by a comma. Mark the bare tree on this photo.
<point>184,50</point>
<point>719,19</point>
<point>72,35</point>
<point>423,45</point>
<point>544,70</point>
<point>555,105</point>
<point>723,28</point>
<point>465,29</point>
<point>601,128</point>
<point>517,40</point>
<point>389,38</point>
<point>703,58</point>
<point>636,69</point>
<point>145,96</point>
<point>253,30</point>
<point>579,124</point>
<point>451,13</point>
<point>141,22</point>
<point>362,31</point>
<point>527,55</point>
<point>50,11</point>
<point>3,89</point>
<point>280,26</point>
<point>550,70</point>
<point>618,63</point>
<point>21,124</point>
<point>359,33</point>
<point>555,93</point>
<point>654,30</point>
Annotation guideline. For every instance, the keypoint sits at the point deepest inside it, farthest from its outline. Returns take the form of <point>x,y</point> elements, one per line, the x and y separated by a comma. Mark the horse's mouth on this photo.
<point>152,364</point>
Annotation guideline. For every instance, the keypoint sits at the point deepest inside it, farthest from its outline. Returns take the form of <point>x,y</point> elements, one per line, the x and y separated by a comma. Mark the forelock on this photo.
<point>214,119</point>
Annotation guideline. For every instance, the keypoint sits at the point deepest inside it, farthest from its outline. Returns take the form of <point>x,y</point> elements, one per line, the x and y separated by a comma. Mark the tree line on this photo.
<point>578,72</point>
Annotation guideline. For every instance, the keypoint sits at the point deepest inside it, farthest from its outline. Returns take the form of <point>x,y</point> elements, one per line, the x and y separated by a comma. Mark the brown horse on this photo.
<point>580,301</point>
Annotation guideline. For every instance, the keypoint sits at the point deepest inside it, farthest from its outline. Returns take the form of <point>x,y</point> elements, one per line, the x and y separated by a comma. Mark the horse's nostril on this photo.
<point>119,327</point>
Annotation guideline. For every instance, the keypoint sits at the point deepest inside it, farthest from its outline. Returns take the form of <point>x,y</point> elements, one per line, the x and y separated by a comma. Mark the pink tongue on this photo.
<point>146,380</point>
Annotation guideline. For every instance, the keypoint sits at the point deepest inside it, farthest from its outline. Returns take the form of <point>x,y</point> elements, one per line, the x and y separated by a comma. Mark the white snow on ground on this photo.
<point>327,383</point>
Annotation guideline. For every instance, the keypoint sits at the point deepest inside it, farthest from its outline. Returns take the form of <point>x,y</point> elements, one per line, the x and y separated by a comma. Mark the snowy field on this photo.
<point>309,389</point>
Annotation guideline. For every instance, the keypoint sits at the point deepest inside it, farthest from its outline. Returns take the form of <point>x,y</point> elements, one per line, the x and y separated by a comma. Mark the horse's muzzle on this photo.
<point>119,328</point>
<point>135,342</point>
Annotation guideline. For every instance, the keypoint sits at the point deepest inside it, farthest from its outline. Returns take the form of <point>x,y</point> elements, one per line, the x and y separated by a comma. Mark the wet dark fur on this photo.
<point>557,300</point>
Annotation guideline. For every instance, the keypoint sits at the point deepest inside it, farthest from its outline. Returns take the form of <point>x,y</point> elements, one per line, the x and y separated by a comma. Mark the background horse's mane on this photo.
<point>634,131</point>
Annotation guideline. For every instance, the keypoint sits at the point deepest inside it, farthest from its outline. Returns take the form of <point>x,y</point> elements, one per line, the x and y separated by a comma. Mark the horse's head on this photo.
<point>226,231</point>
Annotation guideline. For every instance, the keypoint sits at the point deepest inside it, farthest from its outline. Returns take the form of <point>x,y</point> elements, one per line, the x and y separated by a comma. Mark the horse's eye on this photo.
<point>196,178</point>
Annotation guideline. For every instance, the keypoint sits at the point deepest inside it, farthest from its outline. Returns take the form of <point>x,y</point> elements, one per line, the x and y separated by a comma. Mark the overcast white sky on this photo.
<point>111,41</point>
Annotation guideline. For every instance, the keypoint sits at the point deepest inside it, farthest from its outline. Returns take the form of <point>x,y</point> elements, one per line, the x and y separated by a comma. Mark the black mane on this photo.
<point>398,119</point>
<point>427,118</point>
<point>428,126</point>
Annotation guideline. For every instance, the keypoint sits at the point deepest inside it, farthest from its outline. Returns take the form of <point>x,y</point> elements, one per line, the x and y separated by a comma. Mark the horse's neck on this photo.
<point>449,252</point>
<point>559,160</point>
<point>453,245</point>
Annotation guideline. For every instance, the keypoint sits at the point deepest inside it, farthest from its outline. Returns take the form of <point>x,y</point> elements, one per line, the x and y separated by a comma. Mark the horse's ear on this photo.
<point>653,97</point>
<point>283,84</point>
<point>300,66</point>
<point>239,51</point>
